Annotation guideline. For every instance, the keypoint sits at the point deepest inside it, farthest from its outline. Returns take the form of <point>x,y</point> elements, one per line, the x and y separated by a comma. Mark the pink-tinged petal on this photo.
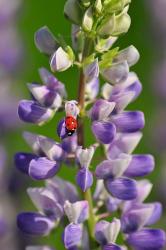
<point>45,41</point>
<point>104,131</point>
<point>71,108</point>
<point>147,239</point>
<point>129,121</point>
<point>84,179</point>
<point>34,224</point>
<point>122,188</point>
<point>113,168</point>
<point>32,112</point>
<point>123,143</point>
<point>42,168</point>
<point>72,235</point>
<point>77,212</point>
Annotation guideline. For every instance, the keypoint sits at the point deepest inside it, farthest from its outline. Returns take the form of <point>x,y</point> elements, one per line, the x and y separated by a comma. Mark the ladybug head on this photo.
<point>70,132</point>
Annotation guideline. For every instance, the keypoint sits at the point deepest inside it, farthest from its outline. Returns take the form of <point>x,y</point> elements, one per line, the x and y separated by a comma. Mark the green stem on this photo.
<point>81,101</point>
<point>92,218</point>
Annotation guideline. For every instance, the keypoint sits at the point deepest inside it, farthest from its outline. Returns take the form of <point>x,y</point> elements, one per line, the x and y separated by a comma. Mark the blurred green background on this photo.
<point>35,14</point>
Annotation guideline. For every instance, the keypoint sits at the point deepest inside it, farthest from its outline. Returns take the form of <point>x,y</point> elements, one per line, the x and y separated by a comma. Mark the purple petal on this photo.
<point>106,232</point>
<point>45,201</point>
<point>123,143</point>
<point>104,131</point>
<point>61,129</point>
<point>112,204</point>
<point>122,188</point>
<point>69,144</point>
<point>112,168</point>
<point>91,71</point>
<point>92,89</point>
<point>45,96</point>
<point>51,149</point>
<point>31,112</point>
<point>136,218</point>
<point>42,168</point>
<point>111,247</point>
<point>140,165</point>
<point>156,214</point>
<point>117,73</point>
<point>84,179</point>
<point>45,41</point>
<point>63,190</point>
<point>52,82</point>
<point>34,223</point>
<point>128,122</point>
<point>77,212</point>
<point>147,239</point>
<point>22,161</point>
<point>129,54</point>
<point>72,235</point>
<point>101,110</point>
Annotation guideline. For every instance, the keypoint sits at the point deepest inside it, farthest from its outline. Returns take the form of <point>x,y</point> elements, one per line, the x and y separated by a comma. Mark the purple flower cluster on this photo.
<point>116,132</point>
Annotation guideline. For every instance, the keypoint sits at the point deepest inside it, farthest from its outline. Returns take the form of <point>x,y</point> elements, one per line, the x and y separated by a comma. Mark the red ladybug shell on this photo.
<point>71,123</point>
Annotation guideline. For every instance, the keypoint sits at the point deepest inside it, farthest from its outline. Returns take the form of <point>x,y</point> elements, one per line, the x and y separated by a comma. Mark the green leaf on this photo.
<point>107,58</point>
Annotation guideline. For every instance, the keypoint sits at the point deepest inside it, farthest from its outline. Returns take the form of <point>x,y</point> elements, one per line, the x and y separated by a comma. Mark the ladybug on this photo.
<point>70,125</point>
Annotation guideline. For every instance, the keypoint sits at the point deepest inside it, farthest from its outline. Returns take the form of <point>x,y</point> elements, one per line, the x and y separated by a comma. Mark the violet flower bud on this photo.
<point>45,41</point>
<point>147,239</point>
<point>72,235</point>
<point>34,224</point>
<point>32,112</point>
<point>122,188</point>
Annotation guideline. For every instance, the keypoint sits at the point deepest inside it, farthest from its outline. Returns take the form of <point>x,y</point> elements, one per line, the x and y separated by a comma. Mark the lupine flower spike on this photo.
<point>96,25</point>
